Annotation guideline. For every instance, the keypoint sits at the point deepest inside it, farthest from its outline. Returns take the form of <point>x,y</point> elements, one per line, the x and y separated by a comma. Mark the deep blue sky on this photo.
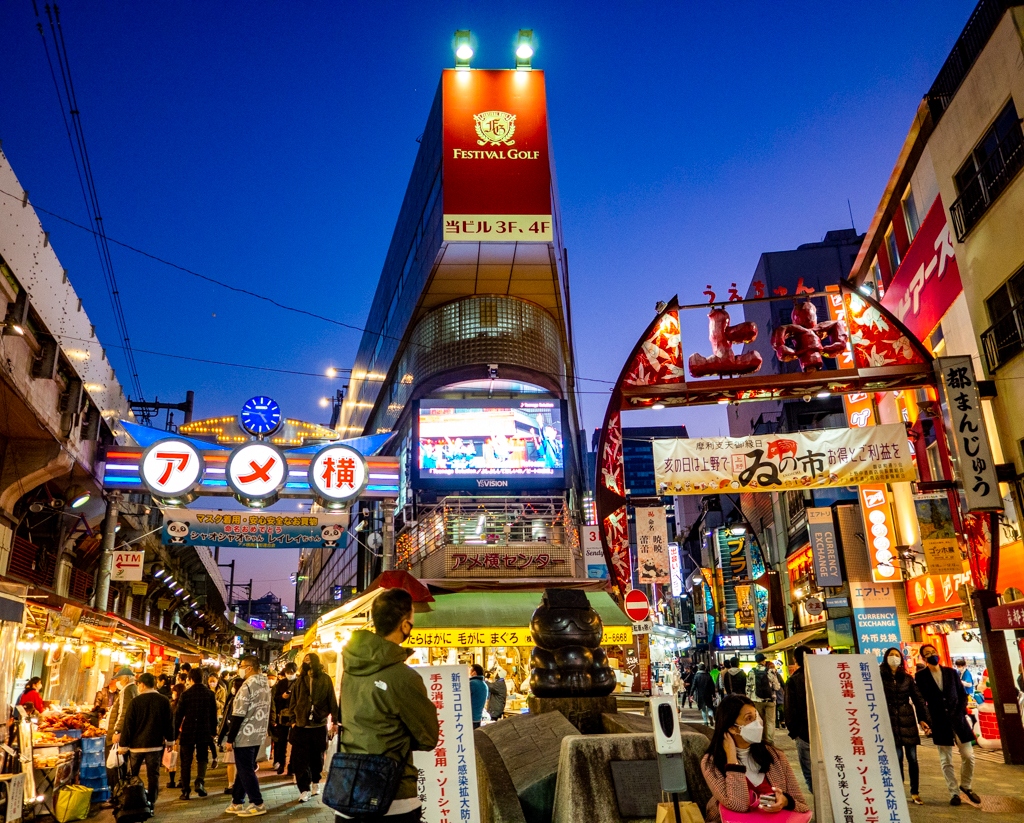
<point>269,145</point>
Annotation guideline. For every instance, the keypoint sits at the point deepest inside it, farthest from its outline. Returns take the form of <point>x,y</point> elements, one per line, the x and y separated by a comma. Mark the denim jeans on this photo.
<point>246,782</point>
<point>803,751</point>
<point>911,766</point>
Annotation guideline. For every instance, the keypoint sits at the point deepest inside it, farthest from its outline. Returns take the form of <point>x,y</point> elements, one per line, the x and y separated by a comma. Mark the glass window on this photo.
<point>910,213</point>
<point>894,252</point>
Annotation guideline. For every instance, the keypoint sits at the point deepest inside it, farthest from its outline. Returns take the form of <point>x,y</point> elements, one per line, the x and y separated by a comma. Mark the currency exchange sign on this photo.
<point>824,548</point>
<point>821,458</point>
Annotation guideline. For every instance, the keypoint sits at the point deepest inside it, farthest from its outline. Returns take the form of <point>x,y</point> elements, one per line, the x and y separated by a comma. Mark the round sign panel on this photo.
<point>260,416</point>
<point>337,475</point>
<point>256,473</point>
<point>638,608</point>
<point>171,470</point>
<point>813,606</point>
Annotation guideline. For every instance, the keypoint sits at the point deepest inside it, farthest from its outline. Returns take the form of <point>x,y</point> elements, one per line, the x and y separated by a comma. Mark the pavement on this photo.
<point>1001,788</point>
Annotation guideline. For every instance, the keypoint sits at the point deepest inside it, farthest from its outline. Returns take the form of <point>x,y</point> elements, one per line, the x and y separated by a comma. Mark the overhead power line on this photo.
<point>71,115</point>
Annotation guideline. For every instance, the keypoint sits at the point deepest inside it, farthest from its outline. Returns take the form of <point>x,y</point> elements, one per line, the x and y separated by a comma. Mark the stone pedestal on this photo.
<point>583,712</point>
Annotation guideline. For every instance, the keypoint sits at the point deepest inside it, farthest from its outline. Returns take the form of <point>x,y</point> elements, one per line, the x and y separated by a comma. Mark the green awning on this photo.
<point>503,609</point>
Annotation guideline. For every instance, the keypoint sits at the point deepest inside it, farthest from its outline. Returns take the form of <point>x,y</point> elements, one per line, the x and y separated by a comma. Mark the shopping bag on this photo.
<point>688,813</point>
<point>114,760</point>
<point>170,760</point>
<point>228,756</point>
<point>760,816</point>
<point>131,804</point>
<point>262,755</point>
<point>73,803</point>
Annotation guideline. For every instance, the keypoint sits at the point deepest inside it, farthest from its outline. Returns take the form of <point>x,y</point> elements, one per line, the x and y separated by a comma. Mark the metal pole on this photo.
<point>388,510</point>
<point>248,611</point>
<point>107,557</point>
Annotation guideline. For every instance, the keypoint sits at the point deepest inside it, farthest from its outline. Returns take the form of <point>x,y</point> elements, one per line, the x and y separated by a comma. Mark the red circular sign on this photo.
<point>637,606</point>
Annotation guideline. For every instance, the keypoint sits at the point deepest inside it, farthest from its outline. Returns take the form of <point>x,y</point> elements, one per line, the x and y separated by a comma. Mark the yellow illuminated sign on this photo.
<point>500,636</point>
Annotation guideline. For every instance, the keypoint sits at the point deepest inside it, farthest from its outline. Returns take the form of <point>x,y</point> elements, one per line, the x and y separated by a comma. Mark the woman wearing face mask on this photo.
<point>740,770</point>
<point>312,701</point>
<point>903,697</point>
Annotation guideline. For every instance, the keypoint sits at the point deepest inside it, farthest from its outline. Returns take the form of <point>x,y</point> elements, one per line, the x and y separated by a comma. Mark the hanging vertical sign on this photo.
<point>824,550</point>
<point>854,754</point>
<point>938,535</point>
<point>593,553</point>
<point>675,567</point>
<point>652,545</point>
<point>880,533</point>
<point>447,782</point>
<point>965,427</point>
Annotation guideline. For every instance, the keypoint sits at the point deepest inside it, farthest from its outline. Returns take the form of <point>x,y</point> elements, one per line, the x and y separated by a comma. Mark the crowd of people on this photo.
<point>745,770</point>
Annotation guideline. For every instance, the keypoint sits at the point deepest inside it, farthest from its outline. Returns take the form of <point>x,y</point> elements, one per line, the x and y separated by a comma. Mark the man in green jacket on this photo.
<point>384,704</point>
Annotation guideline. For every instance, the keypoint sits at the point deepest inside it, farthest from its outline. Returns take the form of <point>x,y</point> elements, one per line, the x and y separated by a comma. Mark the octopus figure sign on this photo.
<point>447,781</point>
<point>852,755</point>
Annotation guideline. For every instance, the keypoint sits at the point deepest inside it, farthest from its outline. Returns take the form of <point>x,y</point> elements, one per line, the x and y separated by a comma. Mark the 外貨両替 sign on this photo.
<point>849,726</point>
<point>820,458</point>
<point>962,414</point>
<point>447,782</point>
<point>824,549</point>
<point>652,545</point>
<point>127,566</point>
<point>253,529</point>
<point>498,636</point>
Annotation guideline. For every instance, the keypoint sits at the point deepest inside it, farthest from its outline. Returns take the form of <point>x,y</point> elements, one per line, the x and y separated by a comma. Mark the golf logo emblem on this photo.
<point>495,128</point>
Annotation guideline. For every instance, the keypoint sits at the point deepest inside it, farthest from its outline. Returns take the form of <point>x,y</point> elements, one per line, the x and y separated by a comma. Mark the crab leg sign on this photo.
<point>723,336</point>
<point>807,340</point>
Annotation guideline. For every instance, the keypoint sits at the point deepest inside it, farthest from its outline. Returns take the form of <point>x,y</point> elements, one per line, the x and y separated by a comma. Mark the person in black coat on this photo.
<point>947,707</point>
<point>280,715</point>
<point>703,689</point>
<point>313,700</point>
<point>195,723</point>
<point>906,709</point>
<point>795,705</point>
<point>146,731</point>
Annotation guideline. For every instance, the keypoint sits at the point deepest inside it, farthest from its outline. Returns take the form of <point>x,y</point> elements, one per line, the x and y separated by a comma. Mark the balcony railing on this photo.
<point>1004,339</point>
<point>988,183</point>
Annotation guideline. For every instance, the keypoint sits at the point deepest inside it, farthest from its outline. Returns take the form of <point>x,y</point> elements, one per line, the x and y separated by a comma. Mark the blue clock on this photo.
<point>260,416</point>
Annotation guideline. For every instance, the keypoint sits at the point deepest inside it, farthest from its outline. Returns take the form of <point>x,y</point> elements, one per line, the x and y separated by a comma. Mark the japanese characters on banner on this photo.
<point>938,536</point>
<point>500,560</point>
<point>171,469</point>
<point>337,474</point>
<point>253,529</point>
<point>878,629</point>
<point>928,279</point>
<point>824,549</point>
<point>593,553</point>
<point>675,568</point>
<point>447,781</point>
<point>880,532</point>
<point>422,638</point>
<point>1008,616</point>
<point>256,473</point>
<point>652,545</point>
<point>855,748</point>
<point>746,613</point>
<point>811,459</point>
<point>496,164</point>
<point>965,426</point>
<point>935,592</point>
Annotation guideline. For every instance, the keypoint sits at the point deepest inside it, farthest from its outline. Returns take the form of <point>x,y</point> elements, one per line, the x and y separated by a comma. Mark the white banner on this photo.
<point>447,781</point>
<point>593,553</point>
<point>852,751</point>
<point>809,459</point>
<point>652,545</point>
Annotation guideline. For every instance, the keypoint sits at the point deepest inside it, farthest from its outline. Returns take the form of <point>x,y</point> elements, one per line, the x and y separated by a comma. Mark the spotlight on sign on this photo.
<point>524,49</point>
<point>463,50</point>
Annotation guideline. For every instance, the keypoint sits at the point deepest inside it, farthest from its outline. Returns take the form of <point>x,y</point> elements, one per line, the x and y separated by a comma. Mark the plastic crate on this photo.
<point>100,795</point>
<point>93,773</point>
<point>75,734</point>
<point>93,759</point>
<point>94,744</point>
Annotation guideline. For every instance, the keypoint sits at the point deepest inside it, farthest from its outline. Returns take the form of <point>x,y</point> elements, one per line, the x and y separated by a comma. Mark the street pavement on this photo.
<point>1001,788</point>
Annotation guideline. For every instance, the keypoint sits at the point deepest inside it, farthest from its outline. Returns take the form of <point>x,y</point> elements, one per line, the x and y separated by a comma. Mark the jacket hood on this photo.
<point>734,670</point>
<point>367,653</point>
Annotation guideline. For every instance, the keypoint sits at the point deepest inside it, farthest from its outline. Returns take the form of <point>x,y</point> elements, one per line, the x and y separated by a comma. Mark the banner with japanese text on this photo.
<point>938,535</point>
<point>447,781</point>
<point>819,458</point>
<point>652,545</point>
<point>253,529</point>
<point>854,755</point>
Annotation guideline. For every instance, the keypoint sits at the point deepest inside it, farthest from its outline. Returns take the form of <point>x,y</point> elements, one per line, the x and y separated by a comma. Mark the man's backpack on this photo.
<point>737,683</point>
<point>762,688</point>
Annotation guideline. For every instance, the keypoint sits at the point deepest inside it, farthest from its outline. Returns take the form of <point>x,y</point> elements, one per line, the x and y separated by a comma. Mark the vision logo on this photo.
<point>495,128</point>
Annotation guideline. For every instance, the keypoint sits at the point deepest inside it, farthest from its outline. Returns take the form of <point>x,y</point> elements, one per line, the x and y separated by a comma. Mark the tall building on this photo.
<point>466,369</point>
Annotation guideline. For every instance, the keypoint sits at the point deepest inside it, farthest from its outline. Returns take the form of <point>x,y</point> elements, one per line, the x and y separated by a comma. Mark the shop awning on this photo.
<point>502,619</point>
<point>797,639</point>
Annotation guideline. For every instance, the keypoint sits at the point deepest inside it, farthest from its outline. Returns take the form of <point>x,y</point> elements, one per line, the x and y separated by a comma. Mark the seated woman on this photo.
<point>740,769</point>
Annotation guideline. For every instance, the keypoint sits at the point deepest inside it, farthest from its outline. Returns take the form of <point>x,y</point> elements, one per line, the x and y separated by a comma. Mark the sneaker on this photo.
<point>253,811</point>
<point>917,799</point>
<point>185,796</point>
<point>304,796</point>
<point>316,789</point>
<point>955,800</point>
<point>200,789</point>
<point>237,808</point>
<point>971,795</point>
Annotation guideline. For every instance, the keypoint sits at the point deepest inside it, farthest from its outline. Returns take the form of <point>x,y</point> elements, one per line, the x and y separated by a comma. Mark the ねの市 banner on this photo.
<point>810,459</point>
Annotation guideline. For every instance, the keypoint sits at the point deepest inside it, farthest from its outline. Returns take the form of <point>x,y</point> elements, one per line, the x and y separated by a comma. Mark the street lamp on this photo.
<point>524,50</point>
<point>463,50</point>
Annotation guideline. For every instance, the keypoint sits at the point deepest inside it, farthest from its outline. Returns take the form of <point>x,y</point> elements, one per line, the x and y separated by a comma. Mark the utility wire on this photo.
<point>70,113</point>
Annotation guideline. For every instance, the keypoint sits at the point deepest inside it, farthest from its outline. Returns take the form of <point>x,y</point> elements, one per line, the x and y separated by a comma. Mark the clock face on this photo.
<point>260,415</point>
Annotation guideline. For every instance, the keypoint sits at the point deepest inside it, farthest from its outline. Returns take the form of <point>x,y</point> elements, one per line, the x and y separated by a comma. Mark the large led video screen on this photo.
<point>489,445</point>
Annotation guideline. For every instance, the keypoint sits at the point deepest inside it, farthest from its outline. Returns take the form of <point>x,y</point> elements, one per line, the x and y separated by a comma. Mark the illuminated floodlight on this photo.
<point>324,402</point>
<point>524,49</point>
<point>738,530</point>
<point>658,406</point>
<point>331,372</point>
<point>463,49</point>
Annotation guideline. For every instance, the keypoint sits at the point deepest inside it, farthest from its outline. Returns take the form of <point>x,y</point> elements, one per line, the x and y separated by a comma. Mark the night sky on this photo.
<point>269,146</point>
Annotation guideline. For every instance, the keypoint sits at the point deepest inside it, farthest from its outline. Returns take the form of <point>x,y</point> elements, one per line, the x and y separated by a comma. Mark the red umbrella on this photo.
<point>401,579</point>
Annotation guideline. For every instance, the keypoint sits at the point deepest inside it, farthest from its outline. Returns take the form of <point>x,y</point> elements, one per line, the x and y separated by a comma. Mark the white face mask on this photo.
<point>292,676</point>
<point>895,661</point>
<point>753,732</point>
